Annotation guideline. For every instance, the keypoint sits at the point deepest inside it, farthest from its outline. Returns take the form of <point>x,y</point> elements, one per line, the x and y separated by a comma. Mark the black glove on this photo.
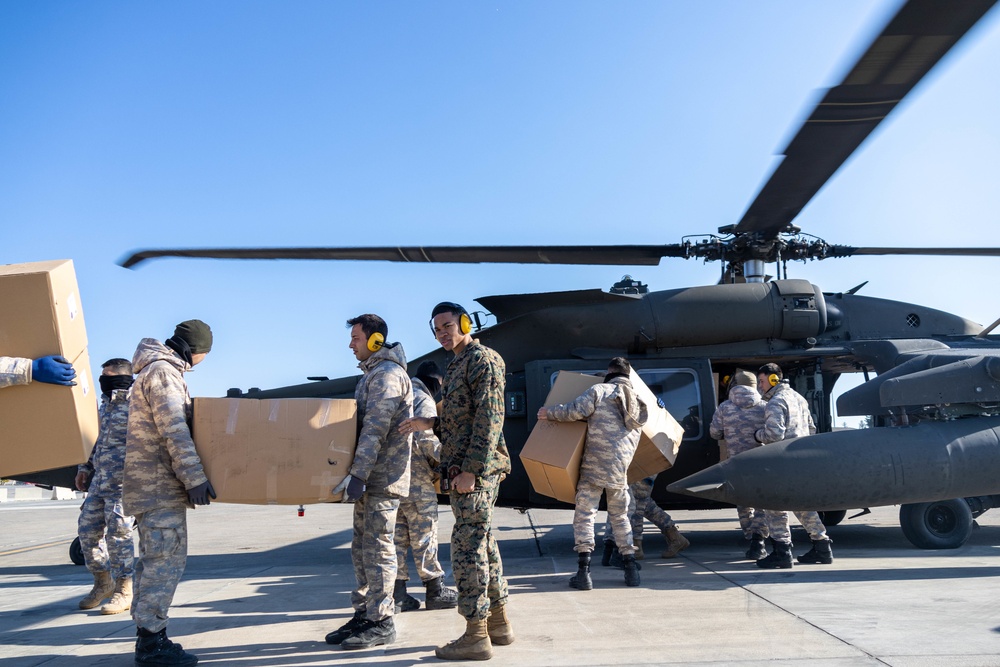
<point>199,495</point>
<point>53,369</point>
<point>355,488</point>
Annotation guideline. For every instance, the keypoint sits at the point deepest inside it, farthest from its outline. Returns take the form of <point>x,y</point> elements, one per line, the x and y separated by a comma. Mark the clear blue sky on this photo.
<point>128,125</point>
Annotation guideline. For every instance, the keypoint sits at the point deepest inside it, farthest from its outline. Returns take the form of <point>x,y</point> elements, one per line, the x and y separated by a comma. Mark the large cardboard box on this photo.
<point>661,436</point>
<point>290,451</point>
<point>45,426</point>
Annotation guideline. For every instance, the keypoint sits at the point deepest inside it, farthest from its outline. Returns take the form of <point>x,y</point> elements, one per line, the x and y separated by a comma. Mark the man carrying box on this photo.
<point>163,477</point>
<point>614,417</point>
<point>52,369</point>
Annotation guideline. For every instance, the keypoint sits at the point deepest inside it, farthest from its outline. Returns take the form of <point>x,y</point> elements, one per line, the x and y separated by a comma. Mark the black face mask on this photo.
<point>611,376</point>
<point>181,347</point>
<point>111,382</point>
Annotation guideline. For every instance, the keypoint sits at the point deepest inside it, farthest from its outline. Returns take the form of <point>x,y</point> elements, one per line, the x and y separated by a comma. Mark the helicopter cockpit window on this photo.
<point>677,388</point>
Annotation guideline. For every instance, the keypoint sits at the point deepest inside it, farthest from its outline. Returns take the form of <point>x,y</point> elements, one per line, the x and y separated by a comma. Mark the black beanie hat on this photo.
<point>196,334</point>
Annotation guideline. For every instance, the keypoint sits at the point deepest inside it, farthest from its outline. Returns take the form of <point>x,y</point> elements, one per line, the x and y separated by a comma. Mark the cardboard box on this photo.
<point>45,426</point>
<point>290,451</point>
<point>660,440</point>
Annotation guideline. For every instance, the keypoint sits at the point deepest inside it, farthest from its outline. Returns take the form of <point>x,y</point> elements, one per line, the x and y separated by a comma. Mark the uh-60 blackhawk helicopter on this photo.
<point>934,378</point>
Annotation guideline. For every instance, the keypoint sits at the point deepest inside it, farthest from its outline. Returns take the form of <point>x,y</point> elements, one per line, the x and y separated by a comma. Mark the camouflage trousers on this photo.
<point>162,556</point>
<point>777,525</point>
<point>106,536</point>
<point>641,506</point>
<point>475,555</point>
<point>374,555</point>
<point>752,521</point>
<point>588,498</point>
<point>417,529</point>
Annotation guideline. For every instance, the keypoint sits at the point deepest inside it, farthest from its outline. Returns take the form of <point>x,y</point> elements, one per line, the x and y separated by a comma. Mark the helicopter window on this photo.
<point>677,388</point>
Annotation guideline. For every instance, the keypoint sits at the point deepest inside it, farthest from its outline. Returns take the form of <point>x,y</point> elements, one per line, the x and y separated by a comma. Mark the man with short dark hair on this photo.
<point>104,528</point>
<point>163,478</point>
<point>379,477</point>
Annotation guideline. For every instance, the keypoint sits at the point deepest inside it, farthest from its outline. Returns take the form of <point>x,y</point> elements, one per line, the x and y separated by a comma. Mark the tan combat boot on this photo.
<point>473,645</point>
<point>103,587</point>
<point>498,625</point>
<point>122,598</point>
<point>676,542</point>
<point>637,542</point>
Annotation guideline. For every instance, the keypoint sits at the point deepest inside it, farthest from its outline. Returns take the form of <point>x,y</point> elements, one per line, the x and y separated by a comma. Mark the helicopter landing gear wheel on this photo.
<point>832,517</point>
<point>943,524</point>
<point>76,552</point>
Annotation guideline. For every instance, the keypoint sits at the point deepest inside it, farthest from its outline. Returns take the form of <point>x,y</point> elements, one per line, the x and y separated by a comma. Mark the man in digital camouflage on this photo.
<point>787,416</point>
<point>379,477</point>
<point>417,521</point>
<point>104,529</point>
<point>736,420</point>
<point>52,369</point>
<point>163,478</point>
<point>474,458</point>
<point>641,506</point>
<point>614,417</point>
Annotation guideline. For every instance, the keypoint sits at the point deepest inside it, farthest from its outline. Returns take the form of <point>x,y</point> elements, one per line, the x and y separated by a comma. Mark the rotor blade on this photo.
<point>612,254</point>
<point>914,41</point>
<point>849,251</point>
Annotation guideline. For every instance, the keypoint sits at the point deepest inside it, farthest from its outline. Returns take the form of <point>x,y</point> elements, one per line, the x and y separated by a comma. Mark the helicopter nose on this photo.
<point>710,483</point>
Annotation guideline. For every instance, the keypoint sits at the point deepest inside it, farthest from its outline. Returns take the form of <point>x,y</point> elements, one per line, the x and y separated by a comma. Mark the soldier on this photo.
<point>105,530</point>
<point>787,416</point>
<point>614,417</point>
<point>641,506</point>
<point>736,421</point>
<point>417,521</point>
<point>474,459</point>
<point>163,478</point>
<point>379,477</point>
<point>52,369</point>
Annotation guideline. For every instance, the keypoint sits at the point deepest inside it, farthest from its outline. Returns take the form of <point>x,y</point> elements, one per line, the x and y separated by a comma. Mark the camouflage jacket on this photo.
<point>786,415</point>
<point>738,418</point>
<point>614,417</point>
<point>426,456</point>
<point>14,370</point>
<point>472,412</point>
<point>385,400</point>
<point>107,459</point>
<point>161,461</point>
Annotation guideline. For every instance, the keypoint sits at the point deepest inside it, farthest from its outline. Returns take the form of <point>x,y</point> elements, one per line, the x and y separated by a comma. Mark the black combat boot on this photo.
<point>631,567</point>
<point>404,601</point>
<point>153,648</point>
<point>372,633</point>
<point>581,580</point>
<point>609,550</point>
<point>440,596</point>
<point>347,629</point>
<point>820,554</point>
<point>780,558</point>
<point>757,549</point>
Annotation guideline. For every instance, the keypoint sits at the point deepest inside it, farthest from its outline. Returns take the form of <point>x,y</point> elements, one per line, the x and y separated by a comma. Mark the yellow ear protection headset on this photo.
<point>375,342</point>
<point>773,379</point>
<point>464,321</point>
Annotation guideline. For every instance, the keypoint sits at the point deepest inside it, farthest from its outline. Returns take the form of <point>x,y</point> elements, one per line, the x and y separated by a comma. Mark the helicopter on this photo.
<point>679,341</point>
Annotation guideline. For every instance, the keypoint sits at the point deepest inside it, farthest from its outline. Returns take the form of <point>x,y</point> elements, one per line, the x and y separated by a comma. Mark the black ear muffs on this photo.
<point>464,321</point>
<point>375,342</point>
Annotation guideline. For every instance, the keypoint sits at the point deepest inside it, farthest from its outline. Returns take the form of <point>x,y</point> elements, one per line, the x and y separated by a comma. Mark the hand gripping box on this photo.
<point>44,426</point>
<point>290,451</point>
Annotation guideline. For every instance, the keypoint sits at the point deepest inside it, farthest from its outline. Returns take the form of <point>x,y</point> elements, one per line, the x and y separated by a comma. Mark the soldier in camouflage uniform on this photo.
<point>163,478</point>
<point>787,416</point>
<point>736,421</point>
<point>52,370</point>
<point>105,530</point>
<point>614,417</point>
<point>641,506</point>
<point>417,521</point>
<point>474,458</point>
<point>379,477</point>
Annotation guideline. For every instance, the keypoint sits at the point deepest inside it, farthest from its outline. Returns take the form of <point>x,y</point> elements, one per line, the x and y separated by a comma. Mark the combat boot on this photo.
<point>820,554</point>
<point>616,558</point>
<point>440,596</point>
<point>581,580</point>
<point>637,543</point>
<point>347,629</point>
<point>631,570</point>
<point>498,626</point>
<point>474,644</point>
<point>609,550</point>
<point>371,633</point>
<point>104,586</point>
<point>404,601</point>
<point>153,648</point>
<point>122,598</point>
<point>757,549</point>
<point>780,558</point>
<point>676,542</point>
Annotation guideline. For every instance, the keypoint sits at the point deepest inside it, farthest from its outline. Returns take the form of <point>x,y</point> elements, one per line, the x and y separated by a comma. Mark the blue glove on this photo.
<point>199,495</point>
<point>53,369</point>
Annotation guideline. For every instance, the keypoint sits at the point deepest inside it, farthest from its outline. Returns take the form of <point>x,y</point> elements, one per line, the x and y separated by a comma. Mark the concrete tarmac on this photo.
<point>263,587</point>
